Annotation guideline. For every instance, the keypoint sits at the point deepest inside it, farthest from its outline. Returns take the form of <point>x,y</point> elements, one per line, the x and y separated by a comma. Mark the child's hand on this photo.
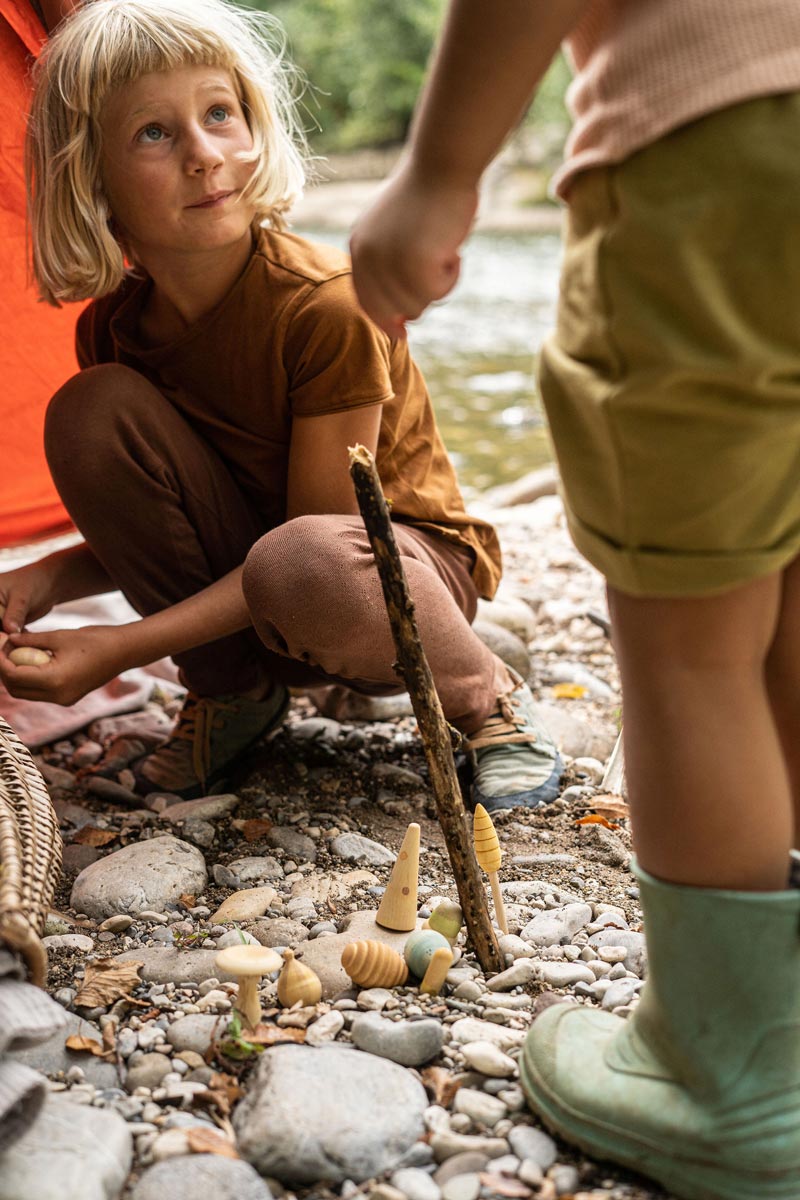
<point>25,595</point>
<point>81,660</point>
<point>406,247</point>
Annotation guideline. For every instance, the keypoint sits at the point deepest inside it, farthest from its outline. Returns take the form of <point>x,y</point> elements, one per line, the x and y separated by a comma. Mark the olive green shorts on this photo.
<point>672,382</point>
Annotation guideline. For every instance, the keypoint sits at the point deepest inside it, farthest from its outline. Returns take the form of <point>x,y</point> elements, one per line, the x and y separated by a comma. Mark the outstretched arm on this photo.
<point>491,56</point>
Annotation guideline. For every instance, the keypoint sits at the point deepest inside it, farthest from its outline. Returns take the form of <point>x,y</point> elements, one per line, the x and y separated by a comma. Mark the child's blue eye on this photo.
<point>218,113</point>
<point>151,133</point>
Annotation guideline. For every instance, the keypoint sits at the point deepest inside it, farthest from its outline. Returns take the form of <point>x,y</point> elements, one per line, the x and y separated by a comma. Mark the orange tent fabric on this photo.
<point>36,346</point>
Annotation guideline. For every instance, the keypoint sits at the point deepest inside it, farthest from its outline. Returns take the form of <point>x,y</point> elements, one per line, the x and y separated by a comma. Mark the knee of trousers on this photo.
<point>85,416</point>
<point>301,570</point>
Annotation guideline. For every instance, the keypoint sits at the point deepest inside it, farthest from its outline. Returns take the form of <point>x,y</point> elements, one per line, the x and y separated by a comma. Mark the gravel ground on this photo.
<point>320,777</point>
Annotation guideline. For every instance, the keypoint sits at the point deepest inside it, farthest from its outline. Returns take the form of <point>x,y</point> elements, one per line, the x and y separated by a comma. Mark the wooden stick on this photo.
<point>413,669</point>
<point>499,906</point>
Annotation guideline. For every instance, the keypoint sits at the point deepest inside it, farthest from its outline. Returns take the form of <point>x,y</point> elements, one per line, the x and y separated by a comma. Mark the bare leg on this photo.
<point>708,783</point>
<point>783,681</point>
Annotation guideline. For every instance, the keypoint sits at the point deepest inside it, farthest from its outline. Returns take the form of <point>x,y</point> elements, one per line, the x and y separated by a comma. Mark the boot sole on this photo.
<point>694,1181</point>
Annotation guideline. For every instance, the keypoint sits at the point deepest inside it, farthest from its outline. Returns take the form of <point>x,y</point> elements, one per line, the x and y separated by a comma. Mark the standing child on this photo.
<point>672,388</point>
<point>226,368</point>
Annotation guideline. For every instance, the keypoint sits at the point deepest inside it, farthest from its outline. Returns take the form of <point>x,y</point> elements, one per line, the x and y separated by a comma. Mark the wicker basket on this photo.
<point>30,853</point>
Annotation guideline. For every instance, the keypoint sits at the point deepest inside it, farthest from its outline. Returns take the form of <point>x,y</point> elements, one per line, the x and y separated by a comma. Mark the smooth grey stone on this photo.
<point>144,875</point>
<point>196,1031</point>
<point>167,964</point>
<point>253,868</point>
<point>206,808</point>
<point>621,992</point>
<point>68,941</point>
<point>529,1142</point>
<point>201,1175</point>
<point>410,1043</point>
<point>278,931</point>
<point>517,975</point>
<point>553,926</point>
<point>602,845</point>
<point>462,1187</point>
<point>505,644</point>
<point>565,1177</point>
<point>71,1152</point>
<point>356,848</point>
<point>447,1143</point>
<point>52,1056</point>
<point>636,958</point>
<point>327,1113</point>
<point>299,845</point>
<point>470,1162</point>
<point>565,974</point>
<point>416,1184</point>
<point>479,1106</point>
<point>148,1072</point>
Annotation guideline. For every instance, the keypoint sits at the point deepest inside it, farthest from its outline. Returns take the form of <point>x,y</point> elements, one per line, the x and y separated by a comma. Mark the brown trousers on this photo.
<point>166,517</point>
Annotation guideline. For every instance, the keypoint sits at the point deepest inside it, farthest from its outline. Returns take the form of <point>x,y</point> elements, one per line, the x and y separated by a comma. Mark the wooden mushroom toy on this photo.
<point>374,964</point>
<point>297,982</point>
<point>447,919</point>
<point>248,964</point>
<point>489,854</point>
<point>434,977</point>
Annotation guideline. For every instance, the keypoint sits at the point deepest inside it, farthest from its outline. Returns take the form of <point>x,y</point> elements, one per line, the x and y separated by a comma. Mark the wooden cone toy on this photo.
<point>434,977</point>
<point>489,855</point>
<point>398,909</point>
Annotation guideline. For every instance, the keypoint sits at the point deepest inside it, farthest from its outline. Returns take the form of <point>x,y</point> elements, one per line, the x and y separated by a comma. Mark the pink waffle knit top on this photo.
<point>644,67</point>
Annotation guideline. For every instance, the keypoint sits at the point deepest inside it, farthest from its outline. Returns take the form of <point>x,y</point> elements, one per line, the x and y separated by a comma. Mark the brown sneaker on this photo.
<point>210,735</point>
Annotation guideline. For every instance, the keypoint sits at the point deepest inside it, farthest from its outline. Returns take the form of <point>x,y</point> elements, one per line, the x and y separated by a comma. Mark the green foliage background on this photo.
<point>365,61</point>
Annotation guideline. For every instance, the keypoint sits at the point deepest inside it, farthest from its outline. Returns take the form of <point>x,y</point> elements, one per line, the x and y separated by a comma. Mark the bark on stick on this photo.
<point>412,666</point>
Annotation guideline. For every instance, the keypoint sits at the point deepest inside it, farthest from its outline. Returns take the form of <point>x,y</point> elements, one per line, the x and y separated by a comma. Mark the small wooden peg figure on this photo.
<point>489,854</point>
<point>440,964</point>
<point>398,908</point>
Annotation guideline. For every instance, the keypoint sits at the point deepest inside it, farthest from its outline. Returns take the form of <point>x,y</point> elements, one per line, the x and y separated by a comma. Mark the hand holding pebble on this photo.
<point>29,656</point>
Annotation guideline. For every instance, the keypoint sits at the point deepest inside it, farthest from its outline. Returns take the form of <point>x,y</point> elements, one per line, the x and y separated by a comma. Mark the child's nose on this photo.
<point>202,152</point>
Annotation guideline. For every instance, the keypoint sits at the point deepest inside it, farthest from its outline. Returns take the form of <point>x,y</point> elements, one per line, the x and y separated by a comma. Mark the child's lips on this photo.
<point>211,201</point>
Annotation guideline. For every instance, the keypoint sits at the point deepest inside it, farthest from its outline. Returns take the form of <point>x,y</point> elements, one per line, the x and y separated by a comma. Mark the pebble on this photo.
<point>447,1143</point>
<point>468,990</point>
<point>509,943</point>
<point>528,1142</point>
<point>236,937</point>
<point>148,1072</point>
<point>195,1032</point>
<point>279,931</point>
<point>207,808</point>
<point>52,1056</point>
<point>415,1184</point>
<point>70,1152</point>
<point>324,1029</point>
<point>68,941</point>
<point>468,1162</point>
<point>517,975</point>
<point>489,1059</point>
<point>250,869</point>
<point>478,1106</point>
<point>556,925</point>
<point>116,924</point>
<point>565,1177</point>
<point>374,999</point>
<point>107,789</point>
<point>301,847</point>
<point>462,1187</point>
<point>356,848</point>
<point>621,992</point>
<point>410,1043</point>
<point>144,875</point>
<point>564,974</point>
<point>470,1029</point>
<point>326,1112</point>
<point>201,1175</point>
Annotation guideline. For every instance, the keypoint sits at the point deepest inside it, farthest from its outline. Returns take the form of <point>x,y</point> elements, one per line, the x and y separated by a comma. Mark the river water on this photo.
<point>477,350</point>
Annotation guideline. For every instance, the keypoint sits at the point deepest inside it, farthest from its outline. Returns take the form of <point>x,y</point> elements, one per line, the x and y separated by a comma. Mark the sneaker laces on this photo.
<point>507,724</point>
<point>198,718</point>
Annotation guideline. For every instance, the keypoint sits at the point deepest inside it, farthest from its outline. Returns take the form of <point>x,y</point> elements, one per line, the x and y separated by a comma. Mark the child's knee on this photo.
<point>295,567</point>
<point>83,413</point>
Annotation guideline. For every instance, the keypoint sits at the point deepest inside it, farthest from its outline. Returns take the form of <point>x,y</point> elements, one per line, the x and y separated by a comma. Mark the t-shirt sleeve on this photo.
<point>334,356</point>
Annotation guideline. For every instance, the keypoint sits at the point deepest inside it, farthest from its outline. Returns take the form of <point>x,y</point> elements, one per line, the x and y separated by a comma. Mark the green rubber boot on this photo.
<point>700,1087</point>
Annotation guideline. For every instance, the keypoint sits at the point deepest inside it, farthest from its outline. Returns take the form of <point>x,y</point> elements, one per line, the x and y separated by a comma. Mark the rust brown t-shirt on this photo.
<point>289,339</point>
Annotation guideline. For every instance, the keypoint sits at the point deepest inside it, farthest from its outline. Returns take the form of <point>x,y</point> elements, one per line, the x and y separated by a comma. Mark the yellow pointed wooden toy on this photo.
<point>489,855</point>
<point>297,982</point>
<point>434,977</point>
<point>398,908</point>
<point>374,964</point>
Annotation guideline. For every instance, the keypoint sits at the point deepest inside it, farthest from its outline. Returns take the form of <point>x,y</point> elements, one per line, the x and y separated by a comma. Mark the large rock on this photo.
<point>410,1043</point>
<point>556,924</point>
<point>166,964</point>
<point>505,644</point>
<point>324,955</point>
<point>52,1056</point>
<point>71,1152</point>
<point>328,1114</point>
<point>207,1175</point>
<point>151,874</point>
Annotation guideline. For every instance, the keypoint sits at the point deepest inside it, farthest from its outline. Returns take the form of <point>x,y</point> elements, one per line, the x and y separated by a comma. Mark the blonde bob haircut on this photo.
<point>103,45</point>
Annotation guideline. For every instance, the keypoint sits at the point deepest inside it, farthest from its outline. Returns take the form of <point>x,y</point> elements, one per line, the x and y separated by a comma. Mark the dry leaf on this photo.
<point>108,980</point>
<point>187,900</point>
<point>90,835</point>
<point>222,1092</point>
<point>441,1084</point>
<point>569,691</point>
<point>597,819</point>
<point>87,1045</point>
<point>269,1035</point>
<point>256,828</point>
<point>610,806</point>
<point>208,1141</point>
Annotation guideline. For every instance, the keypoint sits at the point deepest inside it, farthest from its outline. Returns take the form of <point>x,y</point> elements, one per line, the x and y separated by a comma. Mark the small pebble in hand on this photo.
<point>29,656</point>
